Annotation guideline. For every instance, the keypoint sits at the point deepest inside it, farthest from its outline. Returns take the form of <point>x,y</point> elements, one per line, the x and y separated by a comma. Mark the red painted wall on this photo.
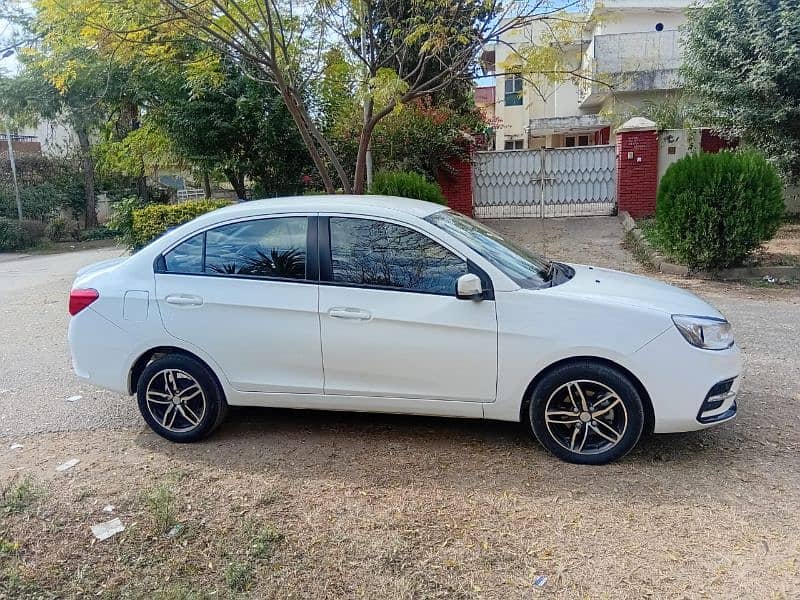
<point>637,177</point>
<point>456,184</point>
<point>712,143</point>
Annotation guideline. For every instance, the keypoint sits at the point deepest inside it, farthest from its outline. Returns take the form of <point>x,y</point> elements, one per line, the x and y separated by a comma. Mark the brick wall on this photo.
<point>637,172</point>
<point>456,184</point>
<point>20,147</point>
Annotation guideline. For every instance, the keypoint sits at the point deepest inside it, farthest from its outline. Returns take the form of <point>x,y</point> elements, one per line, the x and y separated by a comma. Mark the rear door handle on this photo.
<point>345,312</point>
<point>184,300</point>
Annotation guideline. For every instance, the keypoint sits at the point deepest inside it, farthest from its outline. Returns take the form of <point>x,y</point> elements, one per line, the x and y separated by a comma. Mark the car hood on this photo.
<point>607,285</point>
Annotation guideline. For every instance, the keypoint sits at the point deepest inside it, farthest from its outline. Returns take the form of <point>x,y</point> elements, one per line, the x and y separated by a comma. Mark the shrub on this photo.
<point>59,229</point>
<point>97,233</point>
<point>150,222</point>
<point>714,209</point>
<point>35,230</point>
<point>406,185</point>
<point>121,222</point>
<point>12,235</point>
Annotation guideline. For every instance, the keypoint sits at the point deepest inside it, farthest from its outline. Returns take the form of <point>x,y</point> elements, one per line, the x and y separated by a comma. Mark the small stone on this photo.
<point>15,446</point>
<point>108,508</point>
<point>175,530</point>
<point>74,398</point>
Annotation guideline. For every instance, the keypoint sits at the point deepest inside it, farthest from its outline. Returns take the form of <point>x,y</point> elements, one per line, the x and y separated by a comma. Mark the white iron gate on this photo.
<point>550,182</point>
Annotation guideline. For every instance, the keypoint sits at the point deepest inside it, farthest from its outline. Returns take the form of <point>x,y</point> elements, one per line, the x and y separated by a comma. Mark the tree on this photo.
<point>238,127</point>
<point>404,50</point>
<point>741,65</point>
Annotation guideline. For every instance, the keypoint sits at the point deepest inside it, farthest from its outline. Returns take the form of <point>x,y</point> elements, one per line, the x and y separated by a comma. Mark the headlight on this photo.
<point>705,332</point>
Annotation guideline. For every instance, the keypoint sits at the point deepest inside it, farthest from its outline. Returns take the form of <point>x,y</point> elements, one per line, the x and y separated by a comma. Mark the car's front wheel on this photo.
<point>586,412</point>
<point>180,399</point>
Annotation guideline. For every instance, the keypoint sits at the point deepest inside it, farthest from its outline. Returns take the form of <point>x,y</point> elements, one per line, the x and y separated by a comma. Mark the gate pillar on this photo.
<point>637,167</point>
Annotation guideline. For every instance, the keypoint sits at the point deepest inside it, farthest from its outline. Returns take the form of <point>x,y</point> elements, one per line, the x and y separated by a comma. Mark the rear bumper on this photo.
<point>99,350</point>
<point>683,381</point>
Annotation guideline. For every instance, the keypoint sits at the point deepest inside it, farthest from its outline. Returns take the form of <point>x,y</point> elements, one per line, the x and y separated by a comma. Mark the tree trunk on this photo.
<point>206,186</point>
<point>87,165</point>
<point>237,181</point>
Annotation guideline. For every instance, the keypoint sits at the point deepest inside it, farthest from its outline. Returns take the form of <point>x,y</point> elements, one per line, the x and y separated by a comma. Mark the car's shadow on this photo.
<point>463,455</point>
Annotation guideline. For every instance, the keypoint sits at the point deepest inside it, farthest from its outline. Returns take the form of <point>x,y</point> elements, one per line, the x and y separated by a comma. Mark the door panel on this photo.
<point>264,334</point>
<point>412,345</point>
<point>390,322</point>
<point>244,293</point>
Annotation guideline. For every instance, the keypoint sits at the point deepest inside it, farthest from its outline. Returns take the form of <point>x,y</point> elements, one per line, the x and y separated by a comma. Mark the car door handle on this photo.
<point>343,312</point>
<point>183,300</point>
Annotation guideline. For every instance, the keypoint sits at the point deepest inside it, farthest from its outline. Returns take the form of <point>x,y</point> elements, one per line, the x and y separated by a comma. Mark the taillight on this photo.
<point>80,299</point>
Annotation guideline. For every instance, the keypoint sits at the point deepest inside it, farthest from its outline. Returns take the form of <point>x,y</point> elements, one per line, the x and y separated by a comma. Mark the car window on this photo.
<point>264,247</point>
<point>376,253</point>
<point>273,247</point>
<point>186,257</point>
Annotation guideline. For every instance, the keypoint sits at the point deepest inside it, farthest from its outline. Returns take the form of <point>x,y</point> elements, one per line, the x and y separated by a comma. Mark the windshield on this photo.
<point>526,268</point>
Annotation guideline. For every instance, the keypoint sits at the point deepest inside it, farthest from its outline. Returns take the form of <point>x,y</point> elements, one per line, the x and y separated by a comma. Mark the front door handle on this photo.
<point>184,300</point>
<point>345,312</point>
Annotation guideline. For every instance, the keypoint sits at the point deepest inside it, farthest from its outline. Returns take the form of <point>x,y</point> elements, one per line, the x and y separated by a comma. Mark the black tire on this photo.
<point>188,375</point>
<point>581,436</point>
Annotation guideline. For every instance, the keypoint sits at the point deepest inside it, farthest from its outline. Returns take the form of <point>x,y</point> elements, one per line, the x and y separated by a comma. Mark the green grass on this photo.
<point>20,497</point>
<point>239,576</point>
<point>160,503</point>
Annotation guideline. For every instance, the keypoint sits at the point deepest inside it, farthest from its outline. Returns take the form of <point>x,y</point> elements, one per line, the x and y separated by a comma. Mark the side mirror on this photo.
<point>468,287</point>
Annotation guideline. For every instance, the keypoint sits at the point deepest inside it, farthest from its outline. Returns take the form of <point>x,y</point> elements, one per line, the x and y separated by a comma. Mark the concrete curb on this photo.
<point>661,264</point>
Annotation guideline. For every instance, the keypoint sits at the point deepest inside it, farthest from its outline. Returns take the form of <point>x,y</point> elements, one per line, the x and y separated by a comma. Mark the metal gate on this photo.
<point>549,182</point>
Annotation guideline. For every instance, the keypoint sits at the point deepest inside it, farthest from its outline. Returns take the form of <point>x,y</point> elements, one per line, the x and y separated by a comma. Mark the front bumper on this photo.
<point>688,386</point>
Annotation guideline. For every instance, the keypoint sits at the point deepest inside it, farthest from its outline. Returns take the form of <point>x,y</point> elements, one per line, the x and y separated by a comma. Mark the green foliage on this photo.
<point>46,185</point>
<point>714,209</point>
<point>150,222</point>
<point>19,496</point>
<point>740,63</point>
<point>97,233</point>
<point>12,235</point>
<point>34,230</point>
<point>420,137</point>
<point>121,222</point>
<point>162,508</point>
<point>59,229</point>
<point>406,185</point>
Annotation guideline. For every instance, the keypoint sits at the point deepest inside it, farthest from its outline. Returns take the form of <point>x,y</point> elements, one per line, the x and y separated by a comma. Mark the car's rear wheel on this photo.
<point>586,412</point>
<point>180,399</point>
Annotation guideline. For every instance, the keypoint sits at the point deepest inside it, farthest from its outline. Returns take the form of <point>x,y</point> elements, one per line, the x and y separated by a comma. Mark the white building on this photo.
<point>628,53</point>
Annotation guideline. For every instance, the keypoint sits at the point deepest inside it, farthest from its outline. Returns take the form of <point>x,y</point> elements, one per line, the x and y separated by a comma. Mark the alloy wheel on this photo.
<point>586,417</point>
<point>175,400</point>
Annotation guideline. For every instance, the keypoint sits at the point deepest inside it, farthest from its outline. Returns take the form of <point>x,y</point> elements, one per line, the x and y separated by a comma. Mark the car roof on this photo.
<point>363,205</point>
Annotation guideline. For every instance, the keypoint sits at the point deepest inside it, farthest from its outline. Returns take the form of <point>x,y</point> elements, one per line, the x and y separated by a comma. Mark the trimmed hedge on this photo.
<point>406,185</point>
<point>154,220</point>
<point>714,209</point>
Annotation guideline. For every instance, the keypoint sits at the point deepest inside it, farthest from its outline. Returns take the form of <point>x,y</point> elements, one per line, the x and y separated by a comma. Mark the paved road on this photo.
<point>36,376</point>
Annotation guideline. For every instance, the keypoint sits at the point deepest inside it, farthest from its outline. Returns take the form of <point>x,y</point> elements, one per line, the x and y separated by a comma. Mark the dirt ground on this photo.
<point>784,248</point>
<point>295,504</point>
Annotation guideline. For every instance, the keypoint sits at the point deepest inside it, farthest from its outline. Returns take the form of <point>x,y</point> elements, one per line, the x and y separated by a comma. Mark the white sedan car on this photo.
<point>368,303</point>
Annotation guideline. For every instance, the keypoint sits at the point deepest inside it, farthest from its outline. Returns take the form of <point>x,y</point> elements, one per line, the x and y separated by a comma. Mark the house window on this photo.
<point>513,145</point>
<point>576,140</point>
<point>513,95</point>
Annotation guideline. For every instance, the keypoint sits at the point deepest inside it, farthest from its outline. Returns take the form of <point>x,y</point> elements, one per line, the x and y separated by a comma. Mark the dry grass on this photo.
<point>305,505</point>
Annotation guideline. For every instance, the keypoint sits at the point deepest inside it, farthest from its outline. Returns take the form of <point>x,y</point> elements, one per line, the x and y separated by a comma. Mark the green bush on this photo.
<point>714,209</point>
<point>406,185</point>
<point>150,222</point>
<point>59,229</point>
<point>12,235</point>
<point>34,230</point>
<point>97,233</point>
